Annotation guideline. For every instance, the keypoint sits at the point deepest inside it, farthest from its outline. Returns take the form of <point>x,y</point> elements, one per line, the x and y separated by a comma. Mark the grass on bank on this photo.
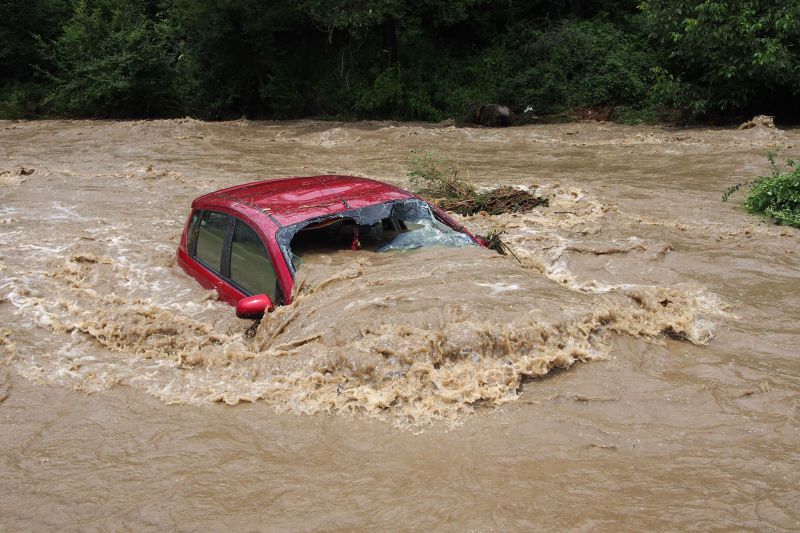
<point>776,197</point>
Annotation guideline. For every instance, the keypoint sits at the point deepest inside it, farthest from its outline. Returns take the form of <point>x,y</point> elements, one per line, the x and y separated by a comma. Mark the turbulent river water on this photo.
<point>637,366</point>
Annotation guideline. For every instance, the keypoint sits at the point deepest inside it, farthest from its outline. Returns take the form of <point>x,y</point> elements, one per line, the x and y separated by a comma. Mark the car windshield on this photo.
<point>394,226</point>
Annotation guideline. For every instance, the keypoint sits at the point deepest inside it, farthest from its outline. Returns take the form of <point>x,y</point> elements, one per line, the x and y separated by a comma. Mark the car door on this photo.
<point>250,268</point>
<point>207,245</point>
<point>232,257</point>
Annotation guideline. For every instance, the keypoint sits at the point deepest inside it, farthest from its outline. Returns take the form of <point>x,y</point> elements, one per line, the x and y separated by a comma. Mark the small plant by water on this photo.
<point>777,196</point>
<point>436,177</point>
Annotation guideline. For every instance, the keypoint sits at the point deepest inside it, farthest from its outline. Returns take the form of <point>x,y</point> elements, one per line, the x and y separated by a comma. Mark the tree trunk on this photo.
<point>389,28</point>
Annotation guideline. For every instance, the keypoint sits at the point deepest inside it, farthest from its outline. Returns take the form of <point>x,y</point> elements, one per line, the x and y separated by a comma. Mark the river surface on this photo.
<point>636,366</point>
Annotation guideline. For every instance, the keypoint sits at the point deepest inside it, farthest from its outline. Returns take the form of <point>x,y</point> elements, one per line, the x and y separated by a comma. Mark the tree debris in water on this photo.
<point>493,242</point>
<point>436,177</point>
<point>497,201</point>
<point>483,114</point>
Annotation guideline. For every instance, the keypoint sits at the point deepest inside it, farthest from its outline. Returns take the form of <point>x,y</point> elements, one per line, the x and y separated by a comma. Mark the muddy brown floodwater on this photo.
<point>638,368</point>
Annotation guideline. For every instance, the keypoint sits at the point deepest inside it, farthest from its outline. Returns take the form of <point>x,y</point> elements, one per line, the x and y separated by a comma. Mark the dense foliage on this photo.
<point>777,196</point>
<point>402,59</point>
<point>728,55</point>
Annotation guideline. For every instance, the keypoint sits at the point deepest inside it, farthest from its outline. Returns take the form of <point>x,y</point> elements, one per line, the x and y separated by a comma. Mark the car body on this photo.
<point>239,240</point>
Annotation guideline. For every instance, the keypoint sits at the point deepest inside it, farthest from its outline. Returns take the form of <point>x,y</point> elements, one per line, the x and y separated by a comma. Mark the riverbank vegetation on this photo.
<point>776,197</point>
<point>654,60</point>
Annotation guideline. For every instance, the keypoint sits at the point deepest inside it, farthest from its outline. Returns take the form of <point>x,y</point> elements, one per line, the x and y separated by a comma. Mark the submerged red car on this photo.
<point>247,241</point>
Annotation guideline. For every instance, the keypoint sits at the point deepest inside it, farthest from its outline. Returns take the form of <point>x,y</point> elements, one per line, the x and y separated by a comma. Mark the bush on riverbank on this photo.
<point>776,197</point>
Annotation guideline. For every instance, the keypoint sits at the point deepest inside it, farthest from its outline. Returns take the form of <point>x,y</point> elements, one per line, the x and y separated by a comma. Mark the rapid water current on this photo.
<point>635,364</point>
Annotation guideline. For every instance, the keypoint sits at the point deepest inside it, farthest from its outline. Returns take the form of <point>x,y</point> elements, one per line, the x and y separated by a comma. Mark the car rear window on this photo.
<point>250,265</point>
<point>210,238</point>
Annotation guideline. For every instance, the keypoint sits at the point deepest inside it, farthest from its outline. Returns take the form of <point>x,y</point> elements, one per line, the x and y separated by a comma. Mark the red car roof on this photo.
<point>290,200</point>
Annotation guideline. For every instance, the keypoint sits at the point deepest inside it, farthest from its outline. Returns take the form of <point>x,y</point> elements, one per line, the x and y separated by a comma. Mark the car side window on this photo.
<point>191,240</point>
<point>211,234</point>
<point>251,267</point>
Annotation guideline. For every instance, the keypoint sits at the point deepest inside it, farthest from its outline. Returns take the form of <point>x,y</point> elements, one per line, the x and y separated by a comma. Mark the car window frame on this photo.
<point>284,243</point>
<point>191,247</point>
<point>192,234</point>
<point>227,255</point>
<point>442,217</point>
<point>224,272</point>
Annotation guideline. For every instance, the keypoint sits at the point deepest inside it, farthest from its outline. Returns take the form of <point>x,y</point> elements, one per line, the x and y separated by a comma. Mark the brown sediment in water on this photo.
<point>684,309</point>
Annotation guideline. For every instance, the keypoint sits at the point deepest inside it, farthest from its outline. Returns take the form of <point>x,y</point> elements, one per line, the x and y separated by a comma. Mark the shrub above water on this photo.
<point>777,196</point>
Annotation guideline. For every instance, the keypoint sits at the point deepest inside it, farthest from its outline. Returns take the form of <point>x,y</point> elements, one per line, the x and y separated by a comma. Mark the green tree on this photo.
<point>574,63</point>
<point>726,55</point>
<point>22,23</point>
<point>112,59</point>
<point>386,17</point>
<point>389,61</point>
<point>240,57</point>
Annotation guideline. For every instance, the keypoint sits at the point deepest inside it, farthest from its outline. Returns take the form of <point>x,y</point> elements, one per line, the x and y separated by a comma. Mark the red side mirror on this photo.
<point>254,306</point>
